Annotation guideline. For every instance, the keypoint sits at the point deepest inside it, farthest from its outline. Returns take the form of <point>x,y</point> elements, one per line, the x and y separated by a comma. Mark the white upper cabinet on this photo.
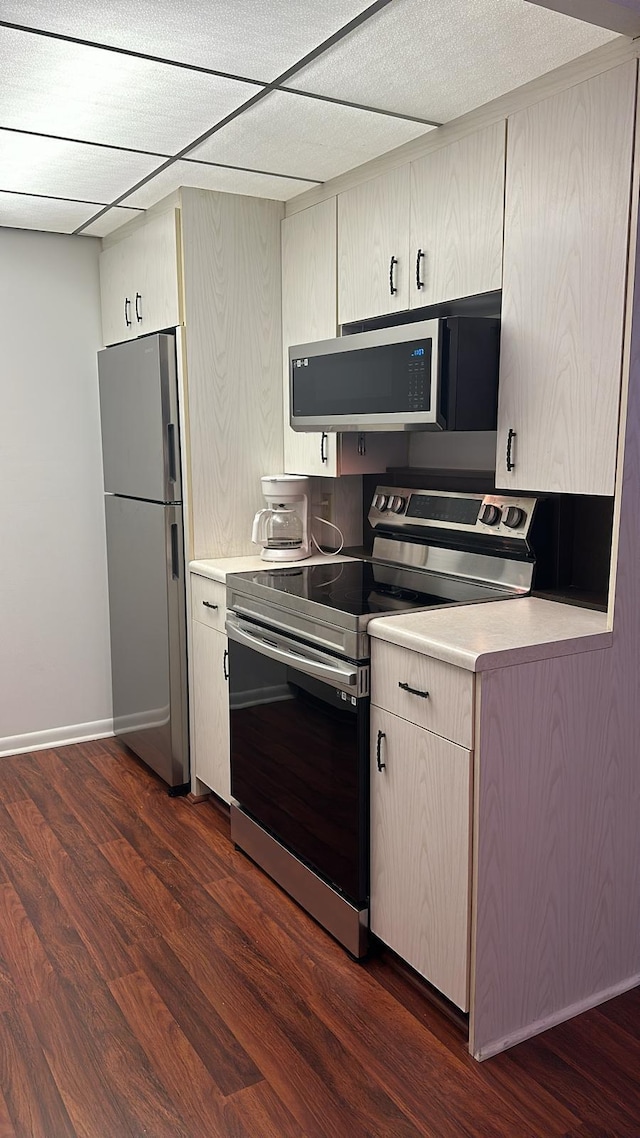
<point>373,247</point>
<point>309,312</point>
<point>139,281</point>
<point>568,189</point>
<point>457,213</point>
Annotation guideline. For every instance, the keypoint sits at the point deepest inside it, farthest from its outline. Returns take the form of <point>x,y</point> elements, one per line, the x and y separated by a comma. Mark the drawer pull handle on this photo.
<point>414,691</point>
<point>381,765</point>
<point>208,605</point>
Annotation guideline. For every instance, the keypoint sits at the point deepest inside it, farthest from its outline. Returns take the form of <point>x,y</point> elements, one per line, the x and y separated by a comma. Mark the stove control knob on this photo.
<point>380,501</point>
<point>490,514</point>
<point>397,504</point>
<point>514,517</point>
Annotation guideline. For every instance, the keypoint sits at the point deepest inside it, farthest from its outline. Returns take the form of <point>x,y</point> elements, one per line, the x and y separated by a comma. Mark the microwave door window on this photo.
<point>383,380</point>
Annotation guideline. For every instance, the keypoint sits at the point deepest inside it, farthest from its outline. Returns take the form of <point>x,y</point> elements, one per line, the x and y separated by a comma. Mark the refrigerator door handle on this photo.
<point>175,553</point>
<point>171,450</point>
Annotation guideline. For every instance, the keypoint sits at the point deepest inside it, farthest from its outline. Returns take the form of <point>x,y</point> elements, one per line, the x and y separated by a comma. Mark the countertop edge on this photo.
<point>478,661</point>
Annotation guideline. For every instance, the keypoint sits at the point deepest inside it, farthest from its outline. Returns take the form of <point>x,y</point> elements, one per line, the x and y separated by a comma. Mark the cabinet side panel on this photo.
<point>232,309</point>
<point>558,845</point>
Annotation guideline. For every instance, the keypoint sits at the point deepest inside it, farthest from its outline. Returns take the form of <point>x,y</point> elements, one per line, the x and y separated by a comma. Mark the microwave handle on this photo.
<point>332,673</point>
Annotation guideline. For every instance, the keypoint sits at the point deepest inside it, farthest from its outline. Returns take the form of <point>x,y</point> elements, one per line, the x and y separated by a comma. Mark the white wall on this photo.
<point>54,639</point>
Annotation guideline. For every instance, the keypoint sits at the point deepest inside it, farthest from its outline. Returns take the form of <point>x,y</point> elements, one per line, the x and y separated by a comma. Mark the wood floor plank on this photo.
<point>98,932</point>
<point>66,778</point>
<point>6,1126</point>
<point>29,1090</point>
<point>82,847</point>
<point>258,1110</point>
<point>141,880</point>
<point>176,1063</point>
<point>22,950</point>
<point>226,1061</point>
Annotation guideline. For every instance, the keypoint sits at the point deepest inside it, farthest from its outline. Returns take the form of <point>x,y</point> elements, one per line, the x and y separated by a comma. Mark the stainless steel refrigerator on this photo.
<point>145,552</point>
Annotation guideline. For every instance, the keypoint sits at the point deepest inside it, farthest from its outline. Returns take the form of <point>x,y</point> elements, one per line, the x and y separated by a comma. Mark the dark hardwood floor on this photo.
<point>154,982</point>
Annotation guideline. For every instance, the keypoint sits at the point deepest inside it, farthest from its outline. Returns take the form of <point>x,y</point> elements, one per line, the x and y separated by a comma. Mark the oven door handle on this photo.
<point>332,673</point>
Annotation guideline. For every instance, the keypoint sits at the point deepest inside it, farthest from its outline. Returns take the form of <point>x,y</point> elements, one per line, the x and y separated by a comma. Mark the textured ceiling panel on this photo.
<point>109,221</point>
<point>67,169</point>
<point>305,137</point>
<point>23,211</point>
<point>64,89</point>
<point>440,60</point>
<point>216,178</point>
<point>257,38</point>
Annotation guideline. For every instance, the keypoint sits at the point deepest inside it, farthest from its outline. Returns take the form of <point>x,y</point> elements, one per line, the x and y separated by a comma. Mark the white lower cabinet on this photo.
<point>210,692</point>
<point>421,850</point>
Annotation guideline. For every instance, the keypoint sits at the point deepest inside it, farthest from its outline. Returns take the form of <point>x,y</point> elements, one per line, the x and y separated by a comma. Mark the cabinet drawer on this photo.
<point>447,709</point>
<point>208,601</point>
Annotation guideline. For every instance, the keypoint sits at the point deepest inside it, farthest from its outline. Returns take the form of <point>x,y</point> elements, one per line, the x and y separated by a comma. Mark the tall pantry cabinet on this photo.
<point>210,261</point>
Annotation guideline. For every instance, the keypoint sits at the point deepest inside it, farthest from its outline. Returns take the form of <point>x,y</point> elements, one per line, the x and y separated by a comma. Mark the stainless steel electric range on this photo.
<point>299,682</point>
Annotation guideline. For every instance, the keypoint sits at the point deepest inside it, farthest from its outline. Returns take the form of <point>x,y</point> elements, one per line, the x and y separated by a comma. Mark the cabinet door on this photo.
<point>420,851</point>
<point>565,257</point>
<point>309,312</point>
<point>155,280</point>
<point>116,296</point>
<point>373,229</point>
<point>210,749</point>
<point>457,212</point>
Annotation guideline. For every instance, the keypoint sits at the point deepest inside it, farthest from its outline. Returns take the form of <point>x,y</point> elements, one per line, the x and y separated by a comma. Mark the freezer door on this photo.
<point>148,633</point>
<point>139,416</point>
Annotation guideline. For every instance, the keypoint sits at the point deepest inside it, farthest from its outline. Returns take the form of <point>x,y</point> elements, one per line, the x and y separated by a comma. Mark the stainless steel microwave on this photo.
<point>429,375</point>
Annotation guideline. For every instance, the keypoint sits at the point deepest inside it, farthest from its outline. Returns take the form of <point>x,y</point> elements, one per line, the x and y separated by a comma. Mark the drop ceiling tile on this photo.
<point>439,60</point>
<point>216,178</point>
<point>305,137</point>
<point>256,38</point>
<point>35,165</point>
<point>109,221</point>
<point>24,211</point>
<point>73,91</point>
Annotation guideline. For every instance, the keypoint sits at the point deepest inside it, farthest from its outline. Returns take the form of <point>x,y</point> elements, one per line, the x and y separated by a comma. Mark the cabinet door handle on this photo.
<point>208,605</point>
<point>419,258</point>
<point>510,437</point>
<point>414,691</point>
<point>127,311</point>
<point>323,446</point>
<point>224,664</point>
<point>362,445</point>
<point>381,765</point>
<point>392,288</point>
<point>139,307</point>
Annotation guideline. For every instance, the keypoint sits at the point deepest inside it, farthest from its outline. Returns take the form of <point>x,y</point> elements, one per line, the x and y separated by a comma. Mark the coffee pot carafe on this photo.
<point>282,528</point>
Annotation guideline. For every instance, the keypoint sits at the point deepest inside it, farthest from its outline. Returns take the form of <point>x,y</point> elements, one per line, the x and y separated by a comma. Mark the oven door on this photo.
<point>299,751</point>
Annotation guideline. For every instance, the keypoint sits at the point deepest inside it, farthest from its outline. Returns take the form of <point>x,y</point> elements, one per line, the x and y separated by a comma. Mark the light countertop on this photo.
<point>219,568</point>
<point>497,634</point>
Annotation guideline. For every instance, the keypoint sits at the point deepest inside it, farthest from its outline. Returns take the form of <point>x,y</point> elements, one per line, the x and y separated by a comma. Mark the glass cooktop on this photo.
<point>364,588</point>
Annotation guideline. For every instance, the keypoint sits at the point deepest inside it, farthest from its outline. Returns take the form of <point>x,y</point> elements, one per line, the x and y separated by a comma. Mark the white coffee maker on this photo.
<point>282,529</point>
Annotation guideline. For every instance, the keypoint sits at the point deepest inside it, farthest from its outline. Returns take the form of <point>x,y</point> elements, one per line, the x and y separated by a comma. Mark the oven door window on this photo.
<point>299,765</point>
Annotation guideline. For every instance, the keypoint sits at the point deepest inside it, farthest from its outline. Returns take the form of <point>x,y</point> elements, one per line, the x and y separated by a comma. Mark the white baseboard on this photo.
<point>553,1020</point>
<point>56,737</point>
